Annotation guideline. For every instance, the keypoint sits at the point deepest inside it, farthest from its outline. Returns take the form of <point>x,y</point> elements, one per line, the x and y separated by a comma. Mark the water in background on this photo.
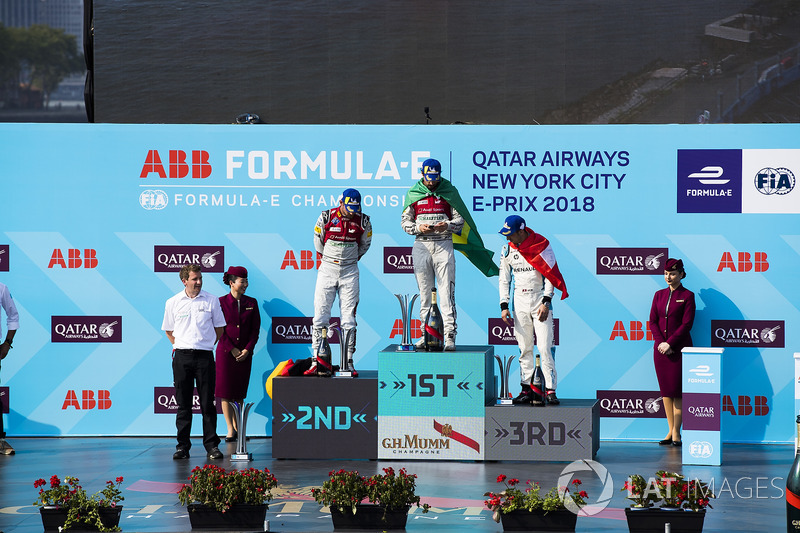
<point>374,62</point>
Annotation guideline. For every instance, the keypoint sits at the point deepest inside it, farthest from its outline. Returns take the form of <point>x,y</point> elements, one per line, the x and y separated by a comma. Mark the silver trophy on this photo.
<point>241,440</point>
<point>505,369</point>
<point>405,315</point>
<point>344,340</point>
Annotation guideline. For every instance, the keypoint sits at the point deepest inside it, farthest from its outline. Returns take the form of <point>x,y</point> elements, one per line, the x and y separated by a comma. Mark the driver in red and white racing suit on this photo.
<point>342,235</point>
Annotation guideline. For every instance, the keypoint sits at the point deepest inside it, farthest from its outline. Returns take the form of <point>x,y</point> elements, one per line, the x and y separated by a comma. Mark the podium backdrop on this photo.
<point>98,218</point>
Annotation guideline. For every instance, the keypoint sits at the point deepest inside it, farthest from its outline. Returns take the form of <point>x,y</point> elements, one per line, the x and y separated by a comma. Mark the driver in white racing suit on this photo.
<point>533,294</point>
<point>433,221</point>
<point>342,235</point>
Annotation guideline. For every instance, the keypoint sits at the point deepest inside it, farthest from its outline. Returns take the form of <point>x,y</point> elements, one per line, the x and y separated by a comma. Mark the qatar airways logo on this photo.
<point>3,258</point>
<point>298,330</point>
<point>165,402</point>
<point>173,258</point>
<point>748,333</point>
<point>4,400</point>
<point>630,404</point>
<point>621,261</point>
<point>501,334</point>
<point>397,260</point>
<point>86,329</point>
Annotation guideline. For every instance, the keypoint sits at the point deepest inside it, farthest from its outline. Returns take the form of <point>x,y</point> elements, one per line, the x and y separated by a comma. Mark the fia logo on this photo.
<point>770,181</point>
<point>153,199</point>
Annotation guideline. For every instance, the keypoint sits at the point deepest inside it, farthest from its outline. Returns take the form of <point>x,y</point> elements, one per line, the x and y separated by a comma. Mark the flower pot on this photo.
<point>652,520</point>
<point>523,520</point>
<point>54,518</point>
<point>239,516</point>
<point>370,516</point>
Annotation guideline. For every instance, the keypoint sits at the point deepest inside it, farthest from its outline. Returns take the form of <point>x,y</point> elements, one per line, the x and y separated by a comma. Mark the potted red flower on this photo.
<point>530,510</point>
<point>65,505</point>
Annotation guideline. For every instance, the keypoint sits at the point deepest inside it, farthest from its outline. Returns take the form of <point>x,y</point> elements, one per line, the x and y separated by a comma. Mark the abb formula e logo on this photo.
<point>179,165</point>
<point>635,332</point>
<point>308,260</point>
<point>74,259</point>
<point>89,400</point>
<point>745,262</point>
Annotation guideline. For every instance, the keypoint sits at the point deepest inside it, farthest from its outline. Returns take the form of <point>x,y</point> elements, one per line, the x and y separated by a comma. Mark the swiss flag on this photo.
<point>537,251</point>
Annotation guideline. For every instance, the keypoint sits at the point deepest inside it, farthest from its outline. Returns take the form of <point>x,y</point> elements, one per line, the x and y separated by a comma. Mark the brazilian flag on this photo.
<point>469,242</point>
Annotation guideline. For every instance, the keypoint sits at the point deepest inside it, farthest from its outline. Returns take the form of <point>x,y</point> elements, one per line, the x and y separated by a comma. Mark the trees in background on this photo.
<point>33,61</point>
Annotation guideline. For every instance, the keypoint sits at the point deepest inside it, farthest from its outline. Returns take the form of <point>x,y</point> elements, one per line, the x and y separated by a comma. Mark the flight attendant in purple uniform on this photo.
<point>235,347</point>
<point>671,319</point>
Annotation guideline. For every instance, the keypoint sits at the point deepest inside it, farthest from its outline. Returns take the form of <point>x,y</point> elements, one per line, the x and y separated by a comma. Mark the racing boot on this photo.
<point>350,342</point>
<point>525,397</point>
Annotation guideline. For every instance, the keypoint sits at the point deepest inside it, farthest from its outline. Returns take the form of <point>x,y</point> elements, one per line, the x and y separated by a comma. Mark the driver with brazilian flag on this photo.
<point>435,214</point>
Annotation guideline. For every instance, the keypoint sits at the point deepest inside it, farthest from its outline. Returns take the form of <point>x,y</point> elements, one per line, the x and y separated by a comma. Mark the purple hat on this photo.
<point>674,264</point>
<point>237,271</point>
<point>513,224</point>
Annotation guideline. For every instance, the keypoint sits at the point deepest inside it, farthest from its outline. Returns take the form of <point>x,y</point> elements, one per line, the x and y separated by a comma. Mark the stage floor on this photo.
<point>750,484</point>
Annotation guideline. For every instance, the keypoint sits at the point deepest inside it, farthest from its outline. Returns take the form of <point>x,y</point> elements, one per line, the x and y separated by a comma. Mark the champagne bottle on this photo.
<point>434,327</point>
<point>538,383</point>
<point>793,488</point>
<point>324,356</point>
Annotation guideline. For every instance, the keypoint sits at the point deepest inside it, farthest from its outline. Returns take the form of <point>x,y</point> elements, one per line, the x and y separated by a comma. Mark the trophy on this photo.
<point>505,367</point>
<point>405,315</point>
<point>345,370</point>
<point>241,441</point>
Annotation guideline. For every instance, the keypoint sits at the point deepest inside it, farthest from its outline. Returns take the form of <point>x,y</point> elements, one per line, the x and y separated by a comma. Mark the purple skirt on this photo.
<point>232,377</point>
<point>668,372</point>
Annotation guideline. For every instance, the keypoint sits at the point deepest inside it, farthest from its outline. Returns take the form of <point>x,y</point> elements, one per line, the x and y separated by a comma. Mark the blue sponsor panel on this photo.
<point>101,215</point>
<point>702,405</point>
<point>419,383</point>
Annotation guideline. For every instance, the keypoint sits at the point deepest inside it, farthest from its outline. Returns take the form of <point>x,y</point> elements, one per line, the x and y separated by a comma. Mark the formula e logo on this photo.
<point>153,199</point>
<point>701,370</point>
<point>709,181</point>
<point>710,176</point>
<point>774,181</point>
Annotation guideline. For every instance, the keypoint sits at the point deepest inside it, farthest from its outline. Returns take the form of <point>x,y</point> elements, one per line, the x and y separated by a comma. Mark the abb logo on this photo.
<point>74,258</point>
<point>178,167</point>
<point>637,331</point>
<point>416,328</point>
<point>306,260</point>
<point>758,262</point>
<point>758,406</point>
<point>88,400</point>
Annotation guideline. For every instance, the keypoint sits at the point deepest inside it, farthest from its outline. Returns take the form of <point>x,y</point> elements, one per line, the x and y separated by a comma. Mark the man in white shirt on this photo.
<point>12,324</point>
<point>193,322</point>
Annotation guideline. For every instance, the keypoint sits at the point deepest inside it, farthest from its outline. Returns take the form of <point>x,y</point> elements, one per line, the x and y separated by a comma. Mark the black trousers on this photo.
<point>188,367</point>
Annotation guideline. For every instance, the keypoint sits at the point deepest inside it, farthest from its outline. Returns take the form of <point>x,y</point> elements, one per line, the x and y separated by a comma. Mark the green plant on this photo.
<point>344,489</point>
<point>669,489</point>
<point>512,498</point>
<point>215,487</point>
<point>81,508</point>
